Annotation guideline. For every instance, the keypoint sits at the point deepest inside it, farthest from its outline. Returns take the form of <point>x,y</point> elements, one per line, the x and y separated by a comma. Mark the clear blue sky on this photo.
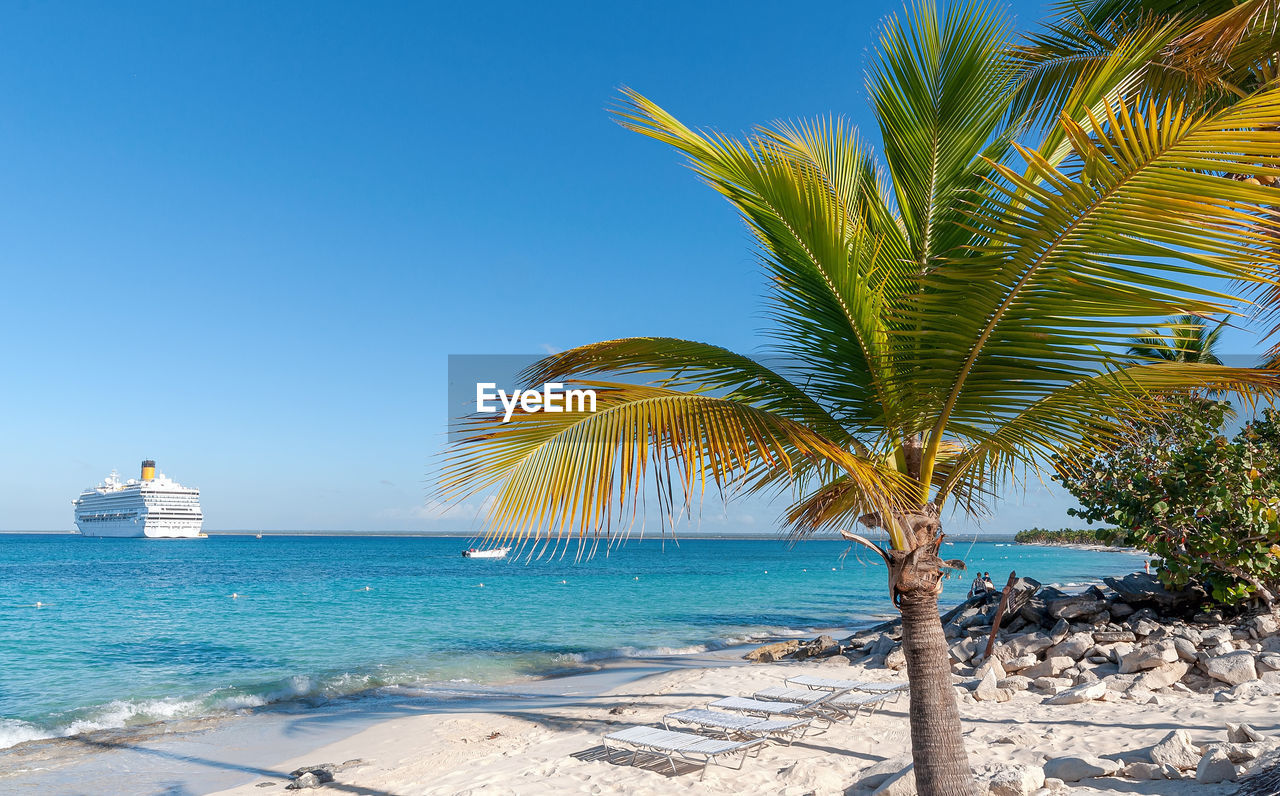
<point>242,238</point>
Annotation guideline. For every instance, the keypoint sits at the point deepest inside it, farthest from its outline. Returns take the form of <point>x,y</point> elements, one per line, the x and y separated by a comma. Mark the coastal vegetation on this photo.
<point>1204,503</point>
<point>954,311</point>
<point>1065,536</point>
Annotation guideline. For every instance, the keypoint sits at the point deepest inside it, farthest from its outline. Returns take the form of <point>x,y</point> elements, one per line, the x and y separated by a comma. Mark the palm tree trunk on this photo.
<point>937,746</point>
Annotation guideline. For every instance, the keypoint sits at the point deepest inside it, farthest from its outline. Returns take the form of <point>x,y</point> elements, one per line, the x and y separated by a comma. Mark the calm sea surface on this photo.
<point>137,630</point>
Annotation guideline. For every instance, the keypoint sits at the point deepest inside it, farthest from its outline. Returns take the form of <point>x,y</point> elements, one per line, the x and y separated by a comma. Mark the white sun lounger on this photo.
<point>683,745</point>
<point>735,725</point>
<point>843,703</point>
<point>866,686</point>
<point>767,709</point>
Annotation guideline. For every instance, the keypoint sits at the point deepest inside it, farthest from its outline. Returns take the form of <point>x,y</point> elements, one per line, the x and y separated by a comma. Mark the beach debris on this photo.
<point>1074,769</point>
<point>493,736</point>
<point>1176,750</point>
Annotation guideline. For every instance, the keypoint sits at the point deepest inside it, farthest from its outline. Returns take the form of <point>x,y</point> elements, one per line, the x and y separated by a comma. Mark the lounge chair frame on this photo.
<point>671,744</point>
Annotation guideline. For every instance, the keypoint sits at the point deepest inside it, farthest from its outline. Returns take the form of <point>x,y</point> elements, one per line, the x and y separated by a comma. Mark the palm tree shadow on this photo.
<point>176,789</point>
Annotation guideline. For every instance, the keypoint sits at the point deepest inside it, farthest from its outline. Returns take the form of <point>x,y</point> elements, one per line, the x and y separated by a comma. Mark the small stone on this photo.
<point>896,660</point>
<point>1074,769</point>
<point>1059,631</point>
<point>1176,750</point>
<point>1215,767</point>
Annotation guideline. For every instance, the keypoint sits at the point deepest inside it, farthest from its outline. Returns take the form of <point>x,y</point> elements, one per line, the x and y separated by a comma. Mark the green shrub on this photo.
<point>1205,504</point>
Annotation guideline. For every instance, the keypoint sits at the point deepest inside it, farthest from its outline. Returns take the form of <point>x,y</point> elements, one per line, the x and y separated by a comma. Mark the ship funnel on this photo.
<point>148,470</point>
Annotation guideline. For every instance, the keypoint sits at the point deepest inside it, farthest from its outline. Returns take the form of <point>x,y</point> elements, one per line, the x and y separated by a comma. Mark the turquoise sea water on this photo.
<point>137,630</point>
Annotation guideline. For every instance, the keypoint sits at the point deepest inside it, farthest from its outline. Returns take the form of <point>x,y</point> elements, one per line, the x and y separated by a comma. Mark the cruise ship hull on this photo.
<point>139,528</point>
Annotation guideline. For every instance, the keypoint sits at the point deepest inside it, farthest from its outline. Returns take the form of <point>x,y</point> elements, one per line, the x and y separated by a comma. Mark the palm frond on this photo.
<point>579,474</point>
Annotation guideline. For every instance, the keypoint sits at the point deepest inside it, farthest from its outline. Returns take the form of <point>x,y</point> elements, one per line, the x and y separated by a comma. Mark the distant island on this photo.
<point>1069,537</point>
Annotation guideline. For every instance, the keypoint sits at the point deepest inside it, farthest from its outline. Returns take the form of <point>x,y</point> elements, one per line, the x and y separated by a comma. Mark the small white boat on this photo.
<point>494,552</point>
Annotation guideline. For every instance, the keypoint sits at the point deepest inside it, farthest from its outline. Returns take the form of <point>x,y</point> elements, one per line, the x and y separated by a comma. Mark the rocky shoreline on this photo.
<point>1129,640</point>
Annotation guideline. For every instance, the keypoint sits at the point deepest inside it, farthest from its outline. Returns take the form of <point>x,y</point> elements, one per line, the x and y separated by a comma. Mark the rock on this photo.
<point>1233,668</point>
<point>1019,663</point>
<point>1215,636</point>
<point>1016,781</point>
<point>1148,658</point>
<point>820,647</point>
<point>987,687</point>
<point>310,778</point>
<point>1113,636</point>
<point>1049,667</point>
<point>1074,769</point>
<point>1267,662</point>
<point>1059,631</point>
<point>990,664</point>
<point>1141,588</point>
<point>772,652</point>
<point>1265,625</point>
<point>1241,752</point>
<point>1176,750</point>
<point>1243,733</point>
<point>901,784</point>
<point>1214,767</point>
<point>1075,607</point>
<point>896,660</point>
<point>1185,648</point>
<point>965,649</point>
<point>1120,683</point>
<point>1016,737</point>
<point>1051,685</point>
<point>1081,693</point>
<point>1119,610</point>
<point>1163,676</point>
<point>877,774</point>
<point>1015,682</point>
<point>1053,787</point>
<point>1030,644</point>
<point>1141,770</point>
<point>1073,646</point>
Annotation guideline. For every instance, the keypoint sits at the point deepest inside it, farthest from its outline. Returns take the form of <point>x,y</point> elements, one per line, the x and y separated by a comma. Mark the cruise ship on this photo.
<point>151,506</point>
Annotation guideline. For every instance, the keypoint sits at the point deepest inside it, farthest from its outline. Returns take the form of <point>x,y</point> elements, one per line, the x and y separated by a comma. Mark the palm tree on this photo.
<point>1188,339</point>
<point>950,314</point>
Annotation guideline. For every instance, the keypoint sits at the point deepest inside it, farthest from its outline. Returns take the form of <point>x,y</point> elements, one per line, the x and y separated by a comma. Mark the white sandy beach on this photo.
<point>538,751</point>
